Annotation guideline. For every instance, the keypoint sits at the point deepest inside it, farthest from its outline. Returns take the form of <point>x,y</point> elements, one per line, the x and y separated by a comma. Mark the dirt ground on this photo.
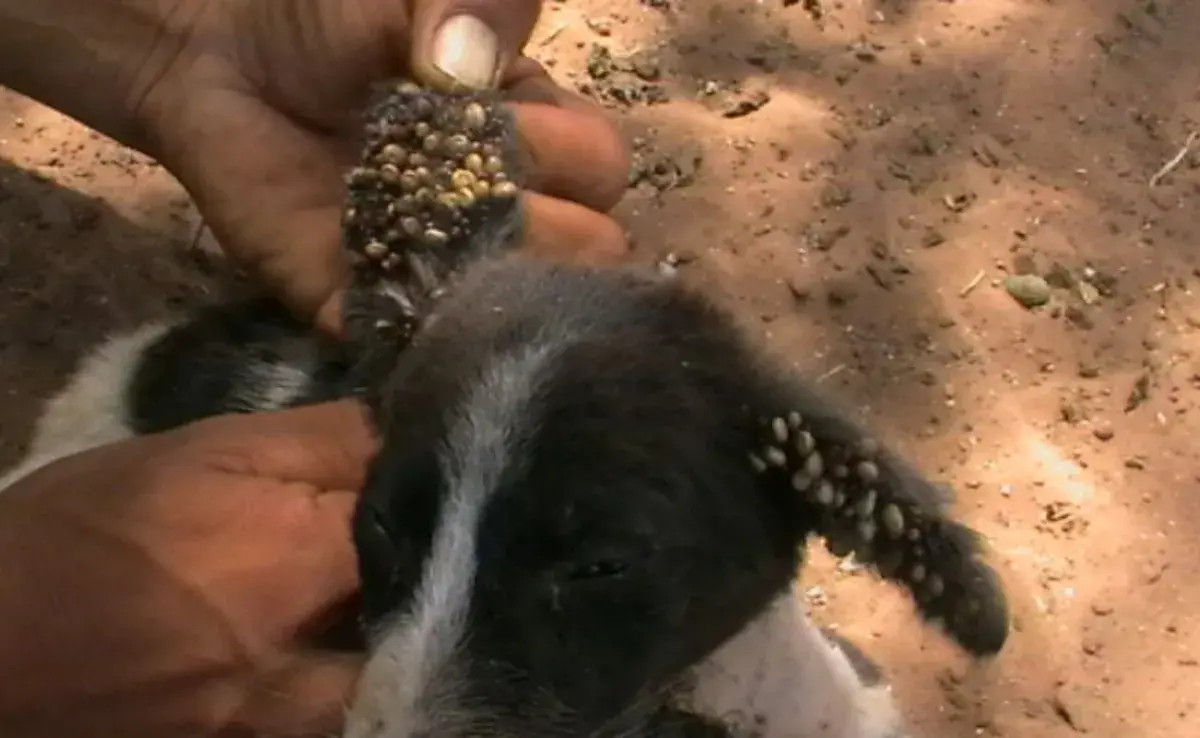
<point>861,179</point>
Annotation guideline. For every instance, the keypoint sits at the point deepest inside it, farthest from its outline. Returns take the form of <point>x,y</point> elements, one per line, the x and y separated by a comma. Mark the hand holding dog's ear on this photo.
<point>174,584</point>
<point>258,112</point>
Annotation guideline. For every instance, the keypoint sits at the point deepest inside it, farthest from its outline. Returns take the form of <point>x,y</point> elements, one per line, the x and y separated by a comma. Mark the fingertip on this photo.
<point>469,43</point>
<point>329,445</point>
<point>575,154</point>
<point>329,316</point>
<point>347,417</point>
<point>346,421</point>
<point>307,268</point>
<point>306,695</point>
<point>560,230</point>
<point>523,69</point>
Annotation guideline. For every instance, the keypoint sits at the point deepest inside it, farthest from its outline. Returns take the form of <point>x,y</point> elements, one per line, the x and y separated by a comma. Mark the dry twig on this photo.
<point>832,372</point>
<point>1174,161</point>
<point>972,284</point>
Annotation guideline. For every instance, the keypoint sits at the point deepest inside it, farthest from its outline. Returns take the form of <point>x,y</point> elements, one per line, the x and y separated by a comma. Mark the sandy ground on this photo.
<point>860,179</point>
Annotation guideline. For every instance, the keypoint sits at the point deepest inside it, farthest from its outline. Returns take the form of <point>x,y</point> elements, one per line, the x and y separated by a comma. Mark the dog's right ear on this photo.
<point>437,187</point>
<point>862,498</point>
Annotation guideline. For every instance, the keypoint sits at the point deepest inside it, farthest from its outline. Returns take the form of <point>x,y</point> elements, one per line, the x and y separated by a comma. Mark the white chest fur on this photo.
<point>782,678</point>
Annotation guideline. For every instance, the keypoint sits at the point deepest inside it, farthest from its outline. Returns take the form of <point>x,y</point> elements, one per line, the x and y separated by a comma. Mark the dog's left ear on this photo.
<point>847,487</point>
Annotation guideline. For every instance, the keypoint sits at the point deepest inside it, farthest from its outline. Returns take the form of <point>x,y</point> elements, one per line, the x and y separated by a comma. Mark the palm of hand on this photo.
<point>199,568</point>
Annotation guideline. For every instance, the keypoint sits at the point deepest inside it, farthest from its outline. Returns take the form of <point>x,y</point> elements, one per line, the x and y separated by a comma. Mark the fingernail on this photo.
<point>466,50</point>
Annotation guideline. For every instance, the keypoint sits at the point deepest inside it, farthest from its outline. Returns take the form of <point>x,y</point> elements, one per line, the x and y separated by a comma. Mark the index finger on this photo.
<point>328,446</point>
<point>573,148</point>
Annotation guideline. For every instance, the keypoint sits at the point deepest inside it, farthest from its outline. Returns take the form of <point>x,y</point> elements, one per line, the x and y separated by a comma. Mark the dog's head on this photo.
<point>563,517</point>
<point>588,482</point>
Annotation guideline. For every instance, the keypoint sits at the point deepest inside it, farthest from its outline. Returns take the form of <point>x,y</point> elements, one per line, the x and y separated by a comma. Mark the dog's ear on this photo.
<point>845,486</point>
<point>437,186</point>
<point>376,330</point>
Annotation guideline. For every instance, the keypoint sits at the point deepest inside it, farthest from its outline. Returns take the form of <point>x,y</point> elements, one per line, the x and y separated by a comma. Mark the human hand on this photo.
<point>175,584</point>
<point>256,113</point>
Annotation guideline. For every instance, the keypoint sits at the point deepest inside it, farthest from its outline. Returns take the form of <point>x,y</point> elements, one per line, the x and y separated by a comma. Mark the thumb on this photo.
<point>469,43</point>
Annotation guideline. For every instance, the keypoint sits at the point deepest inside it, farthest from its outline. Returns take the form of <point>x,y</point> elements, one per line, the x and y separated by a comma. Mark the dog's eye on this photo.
<point>378,550</point>
<point>599,569</point>
<point>385,565</point>
<point>379,535</point>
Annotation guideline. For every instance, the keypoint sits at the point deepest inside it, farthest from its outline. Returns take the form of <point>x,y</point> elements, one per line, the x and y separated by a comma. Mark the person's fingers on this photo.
<point>527,80</point>
<point>468,43</point>
<point>572,155</point>
<point>306,265</point>
<point>269,191</point>
<point>574,147</point>
<point>305,697</point>
<point>316,60</point>
<point>302,536</point>
<point>329,315</point>
<point>559,230</point>
<point>328,571</point>
<point>327,446</point>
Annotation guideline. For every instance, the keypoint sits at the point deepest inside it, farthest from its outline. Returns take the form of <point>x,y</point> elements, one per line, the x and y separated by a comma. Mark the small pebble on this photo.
<point>1028,289</point>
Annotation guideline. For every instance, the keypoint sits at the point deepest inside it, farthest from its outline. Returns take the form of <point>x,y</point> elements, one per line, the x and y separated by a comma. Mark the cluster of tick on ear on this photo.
<point>438,186</point>
<point>862,499</point>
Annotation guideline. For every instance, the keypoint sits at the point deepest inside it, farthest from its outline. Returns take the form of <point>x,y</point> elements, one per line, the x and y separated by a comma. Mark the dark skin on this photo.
<point>177,584</point>
<point>174,585</point>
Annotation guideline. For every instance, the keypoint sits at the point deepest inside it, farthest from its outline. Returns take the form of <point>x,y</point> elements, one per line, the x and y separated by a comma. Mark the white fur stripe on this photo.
<point>411,681</point>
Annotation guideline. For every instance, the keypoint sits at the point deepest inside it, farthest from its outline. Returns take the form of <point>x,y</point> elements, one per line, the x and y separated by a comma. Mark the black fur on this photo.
<point>232,358</point>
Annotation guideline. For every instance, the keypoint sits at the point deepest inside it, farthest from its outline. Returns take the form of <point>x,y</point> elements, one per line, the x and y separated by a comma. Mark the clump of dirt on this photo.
<point>623,80</point>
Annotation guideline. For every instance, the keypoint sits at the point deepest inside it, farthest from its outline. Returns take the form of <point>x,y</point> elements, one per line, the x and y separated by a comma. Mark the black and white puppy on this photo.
<point>562,535</point>
<point>589,509</point>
